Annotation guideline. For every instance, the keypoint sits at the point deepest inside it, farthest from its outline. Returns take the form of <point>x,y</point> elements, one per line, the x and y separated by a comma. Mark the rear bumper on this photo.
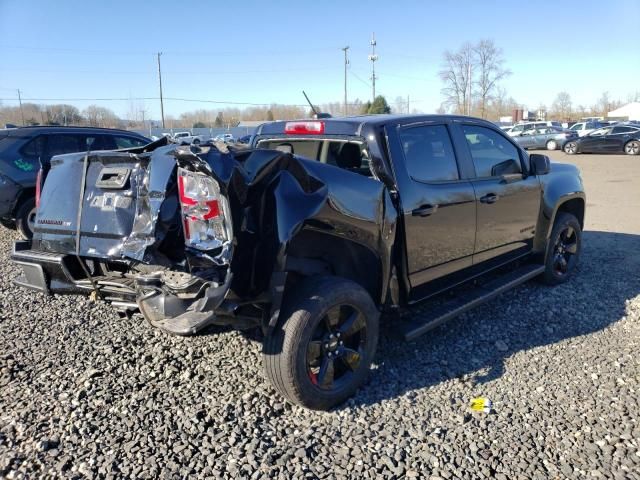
<point>43,271</point>
<point>181,312</point>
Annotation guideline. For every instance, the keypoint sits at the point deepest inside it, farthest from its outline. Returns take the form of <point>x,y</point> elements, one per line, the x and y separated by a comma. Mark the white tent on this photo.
<point>630,110</point>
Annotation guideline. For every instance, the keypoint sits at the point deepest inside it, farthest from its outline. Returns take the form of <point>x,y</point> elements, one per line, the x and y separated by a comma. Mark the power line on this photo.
<point>182,53</point>
<point>355,75</point>
<point>175,99</point>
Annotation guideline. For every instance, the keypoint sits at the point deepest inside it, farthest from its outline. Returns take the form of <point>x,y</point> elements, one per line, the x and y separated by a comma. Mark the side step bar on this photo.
<point>442,313</point>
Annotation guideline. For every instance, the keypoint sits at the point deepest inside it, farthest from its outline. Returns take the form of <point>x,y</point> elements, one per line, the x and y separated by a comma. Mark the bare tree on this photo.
<point>97,116</point>
<point>562,106</point>
<point>489,66</point>
<point>455,74</point>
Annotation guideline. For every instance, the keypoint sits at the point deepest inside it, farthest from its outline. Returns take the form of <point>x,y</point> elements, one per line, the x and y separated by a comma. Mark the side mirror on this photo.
<point>540,164</point>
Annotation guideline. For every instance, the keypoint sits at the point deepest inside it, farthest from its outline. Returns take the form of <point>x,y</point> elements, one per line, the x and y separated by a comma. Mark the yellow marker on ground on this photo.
<point>481,404</point>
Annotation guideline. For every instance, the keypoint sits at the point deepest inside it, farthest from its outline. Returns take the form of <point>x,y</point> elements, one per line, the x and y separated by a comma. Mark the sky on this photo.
<point>269,51</point>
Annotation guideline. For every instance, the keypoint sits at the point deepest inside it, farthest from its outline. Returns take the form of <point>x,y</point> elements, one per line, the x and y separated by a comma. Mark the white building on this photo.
<point>631,111</point>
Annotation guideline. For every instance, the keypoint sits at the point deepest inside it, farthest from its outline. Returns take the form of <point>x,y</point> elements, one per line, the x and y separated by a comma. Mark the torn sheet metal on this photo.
<point>273,197</point>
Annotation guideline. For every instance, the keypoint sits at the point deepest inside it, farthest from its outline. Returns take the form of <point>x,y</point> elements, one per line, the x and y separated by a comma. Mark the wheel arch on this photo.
<point>317,253</point>
<point>573,203</point>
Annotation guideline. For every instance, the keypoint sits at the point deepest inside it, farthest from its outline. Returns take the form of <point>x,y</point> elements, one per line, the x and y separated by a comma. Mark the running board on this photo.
<point>479,295</point>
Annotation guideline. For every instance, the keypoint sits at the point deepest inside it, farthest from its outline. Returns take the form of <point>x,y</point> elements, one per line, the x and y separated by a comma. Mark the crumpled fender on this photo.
<point>274,196</point>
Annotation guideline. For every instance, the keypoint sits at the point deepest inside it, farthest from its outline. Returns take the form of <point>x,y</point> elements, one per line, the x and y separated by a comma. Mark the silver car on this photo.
<point>550,138</point>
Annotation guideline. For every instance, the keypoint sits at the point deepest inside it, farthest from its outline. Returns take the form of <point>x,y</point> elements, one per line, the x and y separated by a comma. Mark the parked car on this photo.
<point>517,129</point>
<point>550,138</point>
<point>585,128</point>
<point>309,236</point>
<point>22,150</point>
<point>224,137</point>
<point>613,139</point>
<point>245,139</point>
<point>187,138</point>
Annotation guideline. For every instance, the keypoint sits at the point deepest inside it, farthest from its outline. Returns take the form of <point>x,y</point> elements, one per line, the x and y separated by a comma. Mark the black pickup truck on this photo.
<point>310,234</point>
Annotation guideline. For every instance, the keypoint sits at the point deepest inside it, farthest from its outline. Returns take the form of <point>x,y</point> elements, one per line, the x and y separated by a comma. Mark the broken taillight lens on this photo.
<point>205,211</point>
<point>38,187</point>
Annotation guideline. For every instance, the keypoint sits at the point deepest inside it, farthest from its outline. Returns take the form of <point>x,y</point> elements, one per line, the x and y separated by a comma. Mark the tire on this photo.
<point>552,145</point>
<point>632,147</point>
<point>563,249</point>
<point>308,362</point>
<point>25,218</point>
<point>196,141</point>
<point>6,223</point>
<point>571,148</point>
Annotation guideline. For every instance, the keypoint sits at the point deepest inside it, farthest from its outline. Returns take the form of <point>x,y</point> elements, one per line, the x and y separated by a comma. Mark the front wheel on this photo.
<point>322,349</point>
<point>632,148</point>
<point>563,249</point>
<point>552,145</point>
<point>571,148</point>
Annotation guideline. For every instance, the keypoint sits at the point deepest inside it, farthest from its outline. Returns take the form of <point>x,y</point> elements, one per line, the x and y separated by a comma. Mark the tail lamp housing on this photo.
<point>38,187</point>
<point>206,218</point>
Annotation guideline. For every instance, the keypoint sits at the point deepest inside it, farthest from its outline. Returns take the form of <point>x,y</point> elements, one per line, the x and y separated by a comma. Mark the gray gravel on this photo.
<point>85,394</point>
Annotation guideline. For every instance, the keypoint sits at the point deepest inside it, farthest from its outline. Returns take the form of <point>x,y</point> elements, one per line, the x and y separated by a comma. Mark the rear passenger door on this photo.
<point>507,198</point>
<point>438,202</point>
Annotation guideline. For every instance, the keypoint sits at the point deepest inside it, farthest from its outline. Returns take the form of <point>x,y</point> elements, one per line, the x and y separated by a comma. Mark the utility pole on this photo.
<point>21,112</point>
<point>373,58</point>
<point>469,94</point>
<point>160,78</point>
<point>346,63</point>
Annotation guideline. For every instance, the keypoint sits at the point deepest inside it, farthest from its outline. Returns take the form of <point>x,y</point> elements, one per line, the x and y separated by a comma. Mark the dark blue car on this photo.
<point>22,150</point>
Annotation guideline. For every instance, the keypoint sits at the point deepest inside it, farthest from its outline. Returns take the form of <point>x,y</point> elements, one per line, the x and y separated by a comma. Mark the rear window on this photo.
<point>129,142</point>
<point>349,154</point>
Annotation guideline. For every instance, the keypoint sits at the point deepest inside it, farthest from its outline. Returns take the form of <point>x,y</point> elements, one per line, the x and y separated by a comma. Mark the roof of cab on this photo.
<point>353,124</point>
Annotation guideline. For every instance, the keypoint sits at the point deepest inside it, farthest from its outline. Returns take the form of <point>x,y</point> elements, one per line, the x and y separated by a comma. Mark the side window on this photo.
<point>429,153</point>
<point>517,128</point>
<point>623,129</point>
<point>577,126</point>
<point>34,148</point>
<point>129,142</point>
<point>492,154</point>
<point>59,144</point>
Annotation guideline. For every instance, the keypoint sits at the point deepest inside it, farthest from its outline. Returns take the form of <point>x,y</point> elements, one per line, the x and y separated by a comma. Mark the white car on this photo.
<point>517,130</point>
<point>584,128</point>
<point>224,137</point>
<point>186,138</point>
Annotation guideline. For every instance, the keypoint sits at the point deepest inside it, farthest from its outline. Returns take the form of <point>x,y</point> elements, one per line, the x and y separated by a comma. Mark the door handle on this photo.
<point>489,198</point>
<point>424,211</point>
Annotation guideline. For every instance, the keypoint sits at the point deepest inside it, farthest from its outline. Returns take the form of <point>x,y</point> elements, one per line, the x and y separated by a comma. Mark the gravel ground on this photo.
<point>85,394</point>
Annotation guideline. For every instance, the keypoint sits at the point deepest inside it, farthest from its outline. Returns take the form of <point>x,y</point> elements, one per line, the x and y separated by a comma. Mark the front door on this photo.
<point>438,203</point>
<point>508,200</point>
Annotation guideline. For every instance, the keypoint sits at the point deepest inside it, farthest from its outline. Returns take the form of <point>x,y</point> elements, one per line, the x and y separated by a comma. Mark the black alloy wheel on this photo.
<point>321,351</point>
<point>337,347</point>
<point>563,249</point>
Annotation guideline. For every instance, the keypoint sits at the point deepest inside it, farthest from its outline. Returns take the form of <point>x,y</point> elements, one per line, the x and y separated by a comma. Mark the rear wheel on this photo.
<point>322,350</point>
<point>571,148</point>
<point>552,145</point>
<point>8,223</point>
<point>632,148</point>
<point>563,249</point>
<point>26,218</point>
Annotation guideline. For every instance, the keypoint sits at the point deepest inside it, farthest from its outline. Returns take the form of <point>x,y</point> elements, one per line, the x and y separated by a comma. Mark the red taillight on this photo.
<point>205,211</point>
<point>38,187</point>
<point>304,128</point>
